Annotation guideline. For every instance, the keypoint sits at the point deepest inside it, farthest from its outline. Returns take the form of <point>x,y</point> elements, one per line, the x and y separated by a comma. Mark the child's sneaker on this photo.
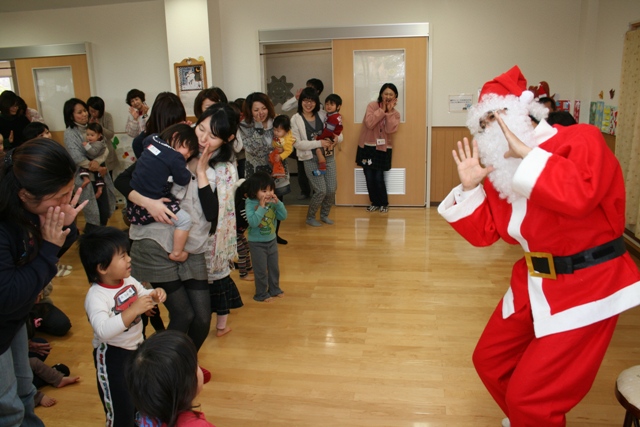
<point>372,208</point>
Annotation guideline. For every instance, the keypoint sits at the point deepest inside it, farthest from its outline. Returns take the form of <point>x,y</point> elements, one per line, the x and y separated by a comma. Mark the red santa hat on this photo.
<point>510,83</point>
<point>513,83</point>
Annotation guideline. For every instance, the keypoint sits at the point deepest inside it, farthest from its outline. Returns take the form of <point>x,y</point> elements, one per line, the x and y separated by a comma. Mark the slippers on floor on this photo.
<point>63,270</point>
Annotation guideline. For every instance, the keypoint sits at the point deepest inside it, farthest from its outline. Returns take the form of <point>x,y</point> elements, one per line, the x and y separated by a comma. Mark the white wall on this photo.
<point>128,43</point>
<point>181,17</point>
<point>472,41</point>
<point>612,23</point>
<point>575,45</point>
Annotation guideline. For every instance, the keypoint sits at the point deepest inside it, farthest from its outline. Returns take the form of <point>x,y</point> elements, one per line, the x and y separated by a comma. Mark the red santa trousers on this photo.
<point>536,381</point>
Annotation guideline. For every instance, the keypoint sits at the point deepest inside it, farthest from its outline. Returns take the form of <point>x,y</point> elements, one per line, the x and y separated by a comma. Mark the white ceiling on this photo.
<point>29,5</point>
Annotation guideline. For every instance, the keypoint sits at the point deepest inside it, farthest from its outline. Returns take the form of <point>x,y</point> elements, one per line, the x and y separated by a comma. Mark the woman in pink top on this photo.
<point>375,145</point>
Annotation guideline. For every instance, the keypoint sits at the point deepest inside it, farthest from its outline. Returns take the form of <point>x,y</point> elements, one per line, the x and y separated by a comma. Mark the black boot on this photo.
<point>279,239</point>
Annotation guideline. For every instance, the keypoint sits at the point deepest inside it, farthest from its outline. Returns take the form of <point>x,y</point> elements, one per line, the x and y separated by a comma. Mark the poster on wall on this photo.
<point>576,111</point>
<point>563,105</point>
<point>191,78</point>
<point>609,119</point>
<point>596,111</point>
<point>460,103</point>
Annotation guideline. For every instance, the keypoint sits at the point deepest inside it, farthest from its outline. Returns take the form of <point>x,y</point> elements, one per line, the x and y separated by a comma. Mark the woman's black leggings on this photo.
<point>189,308</point>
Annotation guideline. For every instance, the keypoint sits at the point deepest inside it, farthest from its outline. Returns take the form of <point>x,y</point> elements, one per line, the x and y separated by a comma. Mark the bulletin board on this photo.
<point>191,78</point>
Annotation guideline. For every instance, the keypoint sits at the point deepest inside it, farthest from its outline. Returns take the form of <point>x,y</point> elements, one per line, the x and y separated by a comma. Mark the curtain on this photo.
<point>628,130</point>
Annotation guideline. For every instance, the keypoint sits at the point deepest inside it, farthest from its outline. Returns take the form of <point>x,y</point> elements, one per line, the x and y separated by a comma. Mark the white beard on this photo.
<point>493,145</point>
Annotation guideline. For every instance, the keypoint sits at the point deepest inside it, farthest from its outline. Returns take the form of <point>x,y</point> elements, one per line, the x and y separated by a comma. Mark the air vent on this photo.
<point>395,180</point>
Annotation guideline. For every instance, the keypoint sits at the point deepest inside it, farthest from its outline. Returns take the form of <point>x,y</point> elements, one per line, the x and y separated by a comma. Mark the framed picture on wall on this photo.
<point>191,78</point>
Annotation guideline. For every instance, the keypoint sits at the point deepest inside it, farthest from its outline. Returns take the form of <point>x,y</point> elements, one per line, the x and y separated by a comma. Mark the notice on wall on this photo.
<point>609,119</point>
<point>460,103</point>
<point>596,113</point>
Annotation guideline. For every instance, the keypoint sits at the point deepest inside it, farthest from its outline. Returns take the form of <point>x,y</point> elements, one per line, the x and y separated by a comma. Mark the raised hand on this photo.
<point>274,199</point>
<point>390,105</point>
<point>51,226</point>
<point>517,148</point>
<point>203,160</point>
<point>263,200</point>
<point>72,209</point>
<point>470,170</point>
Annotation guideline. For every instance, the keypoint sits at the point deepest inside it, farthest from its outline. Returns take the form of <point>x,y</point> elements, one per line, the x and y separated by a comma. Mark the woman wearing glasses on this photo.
<point>306,125</point>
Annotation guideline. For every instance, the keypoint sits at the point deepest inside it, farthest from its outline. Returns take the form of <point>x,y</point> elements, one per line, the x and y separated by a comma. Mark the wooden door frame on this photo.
<point>42,51</point>
<point>328,34</point>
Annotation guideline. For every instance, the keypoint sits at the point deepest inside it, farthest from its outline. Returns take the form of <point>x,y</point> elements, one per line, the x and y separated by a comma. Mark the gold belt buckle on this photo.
<point>548,256</point>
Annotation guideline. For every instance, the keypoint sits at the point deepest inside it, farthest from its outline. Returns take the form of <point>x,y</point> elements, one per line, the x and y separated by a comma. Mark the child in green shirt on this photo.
<point>264,210</point>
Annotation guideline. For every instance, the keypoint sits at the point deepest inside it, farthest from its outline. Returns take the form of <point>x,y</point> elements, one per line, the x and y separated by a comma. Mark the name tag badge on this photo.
<point>380,141</point>
<point>153,149</point>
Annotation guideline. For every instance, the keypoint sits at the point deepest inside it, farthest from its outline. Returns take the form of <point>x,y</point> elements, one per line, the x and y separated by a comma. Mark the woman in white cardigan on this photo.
<point>306,125</point>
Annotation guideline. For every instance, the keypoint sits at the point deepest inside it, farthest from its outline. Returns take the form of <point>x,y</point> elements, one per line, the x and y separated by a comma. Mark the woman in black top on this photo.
<point>37,214</point>
<point>13,120</point>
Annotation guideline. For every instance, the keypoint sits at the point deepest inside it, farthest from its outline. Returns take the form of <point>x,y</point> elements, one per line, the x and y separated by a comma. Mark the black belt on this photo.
<point>542,264</point>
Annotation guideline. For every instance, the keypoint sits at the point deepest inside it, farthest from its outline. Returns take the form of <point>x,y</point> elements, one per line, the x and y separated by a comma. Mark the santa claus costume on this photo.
<point>564,204</point>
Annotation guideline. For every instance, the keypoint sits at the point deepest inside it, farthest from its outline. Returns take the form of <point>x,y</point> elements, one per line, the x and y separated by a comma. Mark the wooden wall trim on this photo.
<point>610,140</point>
<point>444,175</point>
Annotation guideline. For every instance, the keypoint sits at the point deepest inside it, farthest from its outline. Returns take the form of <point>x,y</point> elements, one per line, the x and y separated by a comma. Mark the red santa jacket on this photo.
<point>573,200</point>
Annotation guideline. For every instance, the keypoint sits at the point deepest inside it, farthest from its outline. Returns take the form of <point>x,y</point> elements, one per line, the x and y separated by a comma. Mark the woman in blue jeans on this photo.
<point>37,215</point>
<point>375,144</point>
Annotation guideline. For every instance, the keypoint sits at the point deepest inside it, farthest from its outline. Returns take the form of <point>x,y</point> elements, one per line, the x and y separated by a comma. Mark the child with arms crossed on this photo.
<point>162,164</point>
<point>114,304</point>
<point>332,128</point>
<point>264,210</point>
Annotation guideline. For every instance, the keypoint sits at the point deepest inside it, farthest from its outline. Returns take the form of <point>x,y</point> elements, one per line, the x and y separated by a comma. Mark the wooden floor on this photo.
<point>380,318</point>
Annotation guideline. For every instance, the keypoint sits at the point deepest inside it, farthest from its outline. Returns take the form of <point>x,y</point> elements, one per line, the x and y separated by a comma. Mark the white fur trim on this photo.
<point>544,131</point>
<point>526,97</point>
<point>529,170</point>
<point>539,111</point>
<point>587,314</point>
<point>508,306</point>
<point>460,204</point>
<point>518,212</point>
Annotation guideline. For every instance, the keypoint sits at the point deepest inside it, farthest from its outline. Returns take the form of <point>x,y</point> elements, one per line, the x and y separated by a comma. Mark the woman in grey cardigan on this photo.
<point>97,211</point>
